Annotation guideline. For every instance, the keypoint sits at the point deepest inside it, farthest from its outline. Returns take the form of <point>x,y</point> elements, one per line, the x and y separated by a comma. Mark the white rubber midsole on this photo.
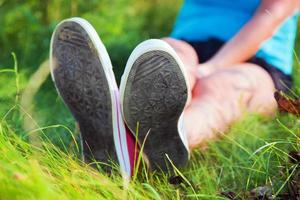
<point>146,46</point>
<point>119,132</point>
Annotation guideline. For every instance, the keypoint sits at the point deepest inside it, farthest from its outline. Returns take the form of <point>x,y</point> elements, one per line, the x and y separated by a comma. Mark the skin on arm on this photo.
<point>268,17</point>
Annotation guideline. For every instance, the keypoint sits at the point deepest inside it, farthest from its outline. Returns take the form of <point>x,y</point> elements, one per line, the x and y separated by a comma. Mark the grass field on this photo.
<point>43,163</point>
<point>39,151</point>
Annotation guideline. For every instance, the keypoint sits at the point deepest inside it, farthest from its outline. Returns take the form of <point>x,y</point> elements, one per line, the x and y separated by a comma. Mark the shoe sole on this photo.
<point>82,72</point>
<point>154,92</point>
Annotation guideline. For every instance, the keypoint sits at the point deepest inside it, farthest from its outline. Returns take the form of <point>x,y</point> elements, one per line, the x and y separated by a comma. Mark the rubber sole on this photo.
<point>154,96</point>
<point>82,83</point>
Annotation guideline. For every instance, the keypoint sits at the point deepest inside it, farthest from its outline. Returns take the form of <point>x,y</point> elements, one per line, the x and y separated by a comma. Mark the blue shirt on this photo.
<point>200,20</point>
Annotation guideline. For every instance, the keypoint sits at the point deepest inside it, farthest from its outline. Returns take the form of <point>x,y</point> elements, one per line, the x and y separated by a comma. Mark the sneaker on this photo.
<point>82,72</point>
<point>154,91</point>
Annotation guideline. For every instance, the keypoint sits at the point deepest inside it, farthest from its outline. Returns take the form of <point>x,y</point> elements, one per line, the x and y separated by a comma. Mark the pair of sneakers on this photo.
<point>147,106</point>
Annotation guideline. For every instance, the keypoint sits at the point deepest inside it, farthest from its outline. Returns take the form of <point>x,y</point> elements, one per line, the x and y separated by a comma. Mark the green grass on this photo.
<point>253,153</point>
<point>39,155</point>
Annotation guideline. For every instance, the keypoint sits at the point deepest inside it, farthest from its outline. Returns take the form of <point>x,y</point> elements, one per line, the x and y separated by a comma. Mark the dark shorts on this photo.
<point>206,49</point>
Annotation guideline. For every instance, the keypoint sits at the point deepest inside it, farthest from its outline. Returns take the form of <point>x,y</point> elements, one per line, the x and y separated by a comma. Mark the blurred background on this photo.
<point>26,28</point>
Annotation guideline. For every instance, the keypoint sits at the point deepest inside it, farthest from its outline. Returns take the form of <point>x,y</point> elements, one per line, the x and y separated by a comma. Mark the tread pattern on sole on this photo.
<point>81,81</point>
<point>155,96</point>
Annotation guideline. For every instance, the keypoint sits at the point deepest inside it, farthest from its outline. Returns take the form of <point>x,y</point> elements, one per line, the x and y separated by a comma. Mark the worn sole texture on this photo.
<point>154,98</point>
<point>80,79</point>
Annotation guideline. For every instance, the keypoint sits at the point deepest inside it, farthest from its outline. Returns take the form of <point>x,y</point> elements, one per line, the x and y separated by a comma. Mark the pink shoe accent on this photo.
<point>133,150</point>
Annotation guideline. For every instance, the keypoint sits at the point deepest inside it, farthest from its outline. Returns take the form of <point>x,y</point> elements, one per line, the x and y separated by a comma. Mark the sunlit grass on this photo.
<point>253,153</point>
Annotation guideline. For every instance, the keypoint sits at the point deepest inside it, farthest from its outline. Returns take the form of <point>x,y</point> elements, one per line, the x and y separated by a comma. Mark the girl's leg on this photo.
<point>221,98</point>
